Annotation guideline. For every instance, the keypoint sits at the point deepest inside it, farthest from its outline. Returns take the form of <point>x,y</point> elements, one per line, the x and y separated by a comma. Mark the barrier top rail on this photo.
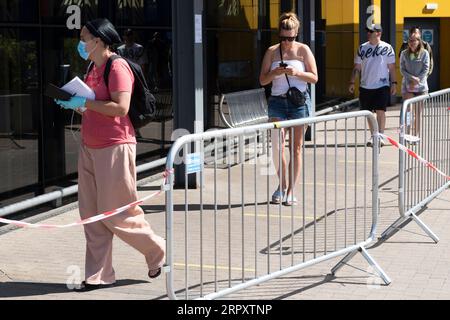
<point>265,126</point>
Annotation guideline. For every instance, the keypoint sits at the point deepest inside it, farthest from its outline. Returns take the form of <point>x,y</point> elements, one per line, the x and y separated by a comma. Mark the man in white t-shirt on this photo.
<point>132,50</point>
<point>375,62</point>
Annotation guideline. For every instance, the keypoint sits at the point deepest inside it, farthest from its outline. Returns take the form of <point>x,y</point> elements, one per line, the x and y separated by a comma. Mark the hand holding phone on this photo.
<point>283,65</point>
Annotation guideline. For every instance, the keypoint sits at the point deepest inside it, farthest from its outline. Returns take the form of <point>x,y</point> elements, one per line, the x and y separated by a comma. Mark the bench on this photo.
<point>245,108</point>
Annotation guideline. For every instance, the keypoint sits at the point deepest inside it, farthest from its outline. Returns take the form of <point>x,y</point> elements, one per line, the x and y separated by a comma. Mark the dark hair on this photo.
<point>103,29</point>
<point>128,33</point>
<point>413,29</point>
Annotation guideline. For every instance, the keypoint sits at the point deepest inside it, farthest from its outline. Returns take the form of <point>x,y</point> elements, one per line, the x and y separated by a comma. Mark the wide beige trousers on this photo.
<point>107,180</point>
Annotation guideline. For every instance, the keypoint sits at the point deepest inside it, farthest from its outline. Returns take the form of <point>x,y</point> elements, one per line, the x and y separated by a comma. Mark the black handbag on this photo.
<point>294,95</point>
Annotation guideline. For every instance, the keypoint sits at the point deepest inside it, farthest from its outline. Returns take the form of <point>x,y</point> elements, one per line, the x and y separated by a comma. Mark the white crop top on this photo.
<point>280,85</point>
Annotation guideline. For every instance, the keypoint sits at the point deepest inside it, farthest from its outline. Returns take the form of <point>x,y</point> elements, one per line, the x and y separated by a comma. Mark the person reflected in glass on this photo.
<point>286,64</point>
<point>132,50</point>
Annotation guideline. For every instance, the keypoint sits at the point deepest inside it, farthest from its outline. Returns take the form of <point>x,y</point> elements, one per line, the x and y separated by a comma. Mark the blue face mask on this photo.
<point>82,50</point>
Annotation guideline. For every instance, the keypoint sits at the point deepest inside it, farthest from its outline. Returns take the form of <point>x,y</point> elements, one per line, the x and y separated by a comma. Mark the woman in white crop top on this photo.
<point>298,64</point>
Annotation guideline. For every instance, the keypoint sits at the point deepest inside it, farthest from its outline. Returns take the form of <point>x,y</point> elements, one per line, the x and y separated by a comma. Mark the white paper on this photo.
<point>77,87</point>
<point>198,28</point>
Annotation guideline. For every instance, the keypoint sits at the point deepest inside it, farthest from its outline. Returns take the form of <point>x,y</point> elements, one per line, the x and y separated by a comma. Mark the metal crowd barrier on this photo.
<point>426,117</point>
<point>227,236</point>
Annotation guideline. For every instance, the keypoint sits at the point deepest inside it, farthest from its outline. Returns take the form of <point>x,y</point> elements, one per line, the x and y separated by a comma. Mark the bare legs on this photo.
<point>416,111</point>
<point>297,140</point>
<point>381,119</point>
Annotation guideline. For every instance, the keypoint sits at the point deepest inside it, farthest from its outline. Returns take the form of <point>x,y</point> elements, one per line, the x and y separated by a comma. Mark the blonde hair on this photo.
<point>289,21</point>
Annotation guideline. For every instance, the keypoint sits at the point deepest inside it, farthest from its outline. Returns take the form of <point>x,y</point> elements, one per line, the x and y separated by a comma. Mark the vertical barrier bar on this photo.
<point>269,160</point>
<point>303,203</point>
<point>186,223</point>
<point>257,133</point>
<point>365,178</point>
<point>242,160</point>
<point>202,142</point>
<point>281,171</point>
<point>346,183</point>
<point>313,129</point>
<point>325,186</point>
<point>291,179</point>
<point>356,179</point>
<point>335,187</point>
<point>229,207</point>
<point>215,215</point>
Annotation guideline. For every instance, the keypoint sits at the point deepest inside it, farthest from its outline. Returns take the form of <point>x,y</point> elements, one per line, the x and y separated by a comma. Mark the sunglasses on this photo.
<point>290,39</point>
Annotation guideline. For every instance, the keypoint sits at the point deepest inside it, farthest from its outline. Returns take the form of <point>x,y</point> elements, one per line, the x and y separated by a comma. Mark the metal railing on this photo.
<point>426,117</point>
<point>228,234</point>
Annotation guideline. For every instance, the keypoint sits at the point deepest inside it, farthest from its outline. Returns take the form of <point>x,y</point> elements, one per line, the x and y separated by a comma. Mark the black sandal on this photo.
<point>85,287</point>
<point>156,275</point>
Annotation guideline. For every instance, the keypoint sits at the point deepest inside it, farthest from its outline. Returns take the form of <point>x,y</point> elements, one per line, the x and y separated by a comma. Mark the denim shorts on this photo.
<point>281,108</point>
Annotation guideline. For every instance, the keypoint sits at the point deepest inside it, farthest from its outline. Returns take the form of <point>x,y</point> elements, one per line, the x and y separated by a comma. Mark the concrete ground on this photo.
<point>237,242</point>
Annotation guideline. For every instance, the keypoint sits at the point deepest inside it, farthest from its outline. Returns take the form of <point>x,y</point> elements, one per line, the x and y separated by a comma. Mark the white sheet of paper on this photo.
<point>198,28</point>
<point>79,88</point>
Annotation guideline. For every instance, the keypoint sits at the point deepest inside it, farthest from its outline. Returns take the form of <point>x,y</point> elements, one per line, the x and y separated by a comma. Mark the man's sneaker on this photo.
<point>278,196</point>
<point>412,140</point>
<point>370,142</point>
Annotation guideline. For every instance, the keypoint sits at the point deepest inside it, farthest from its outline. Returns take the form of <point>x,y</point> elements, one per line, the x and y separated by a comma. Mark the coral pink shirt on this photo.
<point>101,131</point>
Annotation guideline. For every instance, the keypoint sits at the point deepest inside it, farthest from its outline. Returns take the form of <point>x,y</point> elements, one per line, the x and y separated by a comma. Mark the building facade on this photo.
<point>345,20</point>
<point>194,50</point>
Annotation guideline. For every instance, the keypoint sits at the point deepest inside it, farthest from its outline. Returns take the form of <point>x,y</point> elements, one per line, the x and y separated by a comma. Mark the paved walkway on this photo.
<point>37,264</point>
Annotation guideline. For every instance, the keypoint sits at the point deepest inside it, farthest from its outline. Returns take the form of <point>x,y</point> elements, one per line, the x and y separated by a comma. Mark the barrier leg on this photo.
<point>375,265</point>
<point>387,233</point>
<point>369,259</point>
<point>425,228</point>
<point>341,263</point>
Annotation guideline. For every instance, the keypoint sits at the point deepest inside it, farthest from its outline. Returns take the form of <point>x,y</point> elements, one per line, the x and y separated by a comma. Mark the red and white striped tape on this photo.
<point>411,153</point>
<point>93,219</point>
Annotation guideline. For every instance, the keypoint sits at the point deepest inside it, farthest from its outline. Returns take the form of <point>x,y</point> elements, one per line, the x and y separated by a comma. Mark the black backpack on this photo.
<point>143,103</point>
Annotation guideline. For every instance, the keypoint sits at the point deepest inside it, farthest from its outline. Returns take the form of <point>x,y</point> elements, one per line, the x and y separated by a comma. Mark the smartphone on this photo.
<point>283,65</point>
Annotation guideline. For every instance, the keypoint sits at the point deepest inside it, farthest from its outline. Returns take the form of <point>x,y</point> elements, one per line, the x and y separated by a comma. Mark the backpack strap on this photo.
<point>108,68</point>
<point>89,69</point>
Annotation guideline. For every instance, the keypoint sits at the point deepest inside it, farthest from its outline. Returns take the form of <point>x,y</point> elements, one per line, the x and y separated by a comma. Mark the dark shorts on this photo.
<point>282,109</point>
<point>374,99</point>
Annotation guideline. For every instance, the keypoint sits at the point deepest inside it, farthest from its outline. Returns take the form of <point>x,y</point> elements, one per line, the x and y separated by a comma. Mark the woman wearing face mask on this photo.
<point>415,66</point>
<point>106,164</point>
<point>288,64</point>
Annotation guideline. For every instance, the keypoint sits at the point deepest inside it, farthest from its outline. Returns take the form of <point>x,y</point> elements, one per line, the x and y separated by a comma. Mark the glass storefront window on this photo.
<point>144,12</point>
<point>55,11</point>
<point>24,11</point>
<point>38,140</point>
<point>240,14</point>
<point>19,108</point>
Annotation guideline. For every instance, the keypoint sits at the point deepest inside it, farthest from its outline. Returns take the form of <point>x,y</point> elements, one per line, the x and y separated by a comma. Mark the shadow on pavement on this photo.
<point>29,289</point>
